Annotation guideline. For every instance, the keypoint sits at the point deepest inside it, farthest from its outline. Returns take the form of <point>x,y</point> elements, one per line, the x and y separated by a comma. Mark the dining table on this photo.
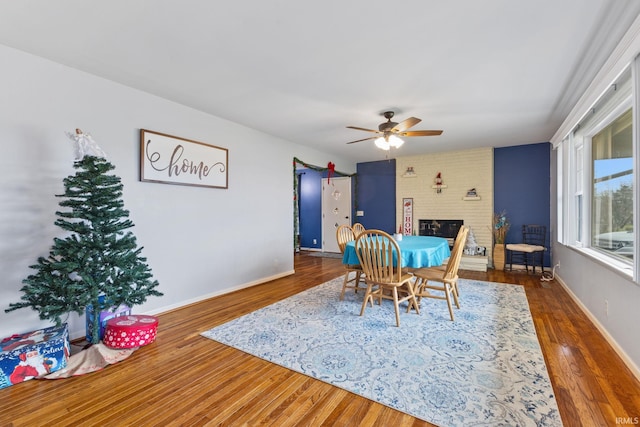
<point>416,251</point>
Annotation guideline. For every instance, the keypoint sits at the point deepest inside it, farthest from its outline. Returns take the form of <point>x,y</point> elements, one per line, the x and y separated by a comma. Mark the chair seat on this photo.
<point>430,272</point>
<point>406,277</point>
<point>523,247</point>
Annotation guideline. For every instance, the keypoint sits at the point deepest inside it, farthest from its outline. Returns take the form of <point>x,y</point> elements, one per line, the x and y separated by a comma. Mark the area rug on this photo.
<point>484,369</point>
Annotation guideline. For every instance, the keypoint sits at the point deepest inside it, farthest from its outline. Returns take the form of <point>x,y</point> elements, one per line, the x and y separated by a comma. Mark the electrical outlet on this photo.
<point>606,307</point>
<point>558,264</point>
<point>315,241</point>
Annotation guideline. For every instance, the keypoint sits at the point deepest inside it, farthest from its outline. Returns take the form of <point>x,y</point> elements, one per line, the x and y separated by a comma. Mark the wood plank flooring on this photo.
<point>187,380</point>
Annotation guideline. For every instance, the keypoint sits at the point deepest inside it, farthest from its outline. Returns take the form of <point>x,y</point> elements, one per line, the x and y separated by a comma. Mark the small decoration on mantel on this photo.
<point>470,245</point>
<point>438,183</point>
<point>398,236</point>
<point>409,173</point>
<point>472,194</point>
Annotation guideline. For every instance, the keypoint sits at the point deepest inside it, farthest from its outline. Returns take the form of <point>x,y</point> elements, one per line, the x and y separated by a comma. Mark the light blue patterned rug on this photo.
<point>484,369</point>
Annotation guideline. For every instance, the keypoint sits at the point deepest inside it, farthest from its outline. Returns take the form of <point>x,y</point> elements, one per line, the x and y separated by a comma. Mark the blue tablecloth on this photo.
<point>417,251</point>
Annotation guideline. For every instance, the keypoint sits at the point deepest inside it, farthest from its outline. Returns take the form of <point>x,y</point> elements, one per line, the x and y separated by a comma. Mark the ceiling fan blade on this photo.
<point>366,130</point>
<point>365,139</point>
<point>421,133</point>
<point>406,124</point>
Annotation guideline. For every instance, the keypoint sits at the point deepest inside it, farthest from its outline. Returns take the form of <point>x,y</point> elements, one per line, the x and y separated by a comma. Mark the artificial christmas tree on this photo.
<point>99,263</point>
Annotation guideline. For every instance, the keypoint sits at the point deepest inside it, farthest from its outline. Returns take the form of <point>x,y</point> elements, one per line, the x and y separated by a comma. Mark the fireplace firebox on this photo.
<point>447,228</point>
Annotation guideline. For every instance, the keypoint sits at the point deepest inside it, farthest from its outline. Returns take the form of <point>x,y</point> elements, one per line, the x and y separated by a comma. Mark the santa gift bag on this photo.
<point>33,354</point>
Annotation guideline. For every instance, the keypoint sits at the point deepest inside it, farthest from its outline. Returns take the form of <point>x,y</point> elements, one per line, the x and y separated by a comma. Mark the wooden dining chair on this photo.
<point>445,281</point>
<point>358,228</point>
<point>460,240</point>
<point>385,279</point>
<point>345,234</point>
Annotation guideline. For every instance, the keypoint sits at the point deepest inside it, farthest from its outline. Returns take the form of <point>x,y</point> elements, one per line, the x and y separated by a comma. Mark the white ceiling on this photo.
<point>488,73</point>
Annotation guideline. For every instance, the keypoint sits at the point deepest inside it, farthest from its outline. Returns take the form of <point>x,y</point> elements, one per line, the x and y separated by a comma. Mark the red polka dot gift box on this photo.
<point>130,331</point>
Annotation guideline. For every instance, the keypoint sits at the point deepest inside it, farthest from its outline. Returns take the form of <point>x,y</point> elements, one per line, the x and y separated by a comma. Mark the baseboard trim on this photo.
<point>196,300</point>
<point>166,309</point>
<point>616,347</point>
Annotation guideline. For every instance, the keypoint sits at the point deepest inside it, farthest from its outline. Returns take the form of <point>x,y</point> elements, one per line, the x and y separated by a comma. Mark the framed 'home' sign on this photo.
<point>173,160</point>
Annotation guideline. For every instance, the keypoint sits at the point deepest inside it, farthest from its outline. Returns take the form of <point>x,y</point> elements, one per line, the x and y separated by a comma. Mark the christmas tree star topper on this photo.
<point>85,145</point>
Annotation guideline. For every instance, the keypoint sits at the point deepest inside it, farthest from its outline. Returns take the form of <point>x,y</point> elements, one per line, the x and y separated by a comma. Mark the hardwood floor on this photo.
<point>185,379</point>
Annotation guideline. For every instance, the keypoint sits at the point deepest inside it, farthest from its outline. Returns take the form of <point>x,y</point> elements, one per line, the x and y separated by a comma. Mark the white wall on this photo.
<point>198,241</point>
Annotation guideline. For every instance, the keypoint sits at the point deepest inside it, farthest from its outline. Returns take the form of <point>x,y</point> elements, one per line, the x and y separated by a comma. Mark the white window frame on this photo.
<point>574,153</point>
<point>616,112</point>
<point>560,192</point>
<point>579,197</point>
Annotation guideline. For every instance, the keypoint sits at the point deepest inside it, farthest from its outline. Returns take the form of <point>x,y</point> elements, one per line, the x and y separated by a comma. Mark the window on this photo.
<point>612,188</point>
<point>596,177</point>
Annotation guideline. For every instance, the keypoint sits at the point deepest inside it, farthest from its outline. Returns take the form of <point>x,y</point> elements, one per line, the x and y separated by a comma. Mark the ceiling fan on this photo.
<point>388,132</point>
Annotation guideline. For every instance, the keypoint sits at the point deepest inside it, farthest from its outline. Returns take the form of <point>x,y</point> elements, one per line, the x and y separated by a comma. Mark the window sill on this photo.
<point>613,264</point>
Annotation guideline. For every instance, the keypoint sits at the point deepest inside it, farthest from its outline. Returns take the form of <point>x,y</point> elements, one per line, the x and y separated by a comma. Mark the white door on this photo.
<point>336,210</point>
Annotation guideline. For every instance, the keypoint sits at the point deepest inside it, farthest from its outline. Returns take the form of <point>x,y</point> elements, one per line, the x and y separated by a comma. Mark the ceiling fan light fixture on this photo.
<point>382,143</point>
<point>388,141</point>
<point>394,141</point>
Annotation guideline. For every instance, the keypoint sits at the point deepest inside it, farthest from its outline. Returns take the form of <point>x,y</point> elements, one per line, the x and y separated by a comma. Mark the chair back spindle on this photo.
<point>381,260</point>
<point>451,271</point>
<point>344,234</point>
<point>358,228</point>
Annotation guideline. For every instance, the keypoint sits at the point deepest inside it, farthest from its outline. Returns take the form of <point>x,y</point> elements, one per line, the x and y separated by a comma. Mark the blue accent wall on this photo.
<point>310,193</point>
<point>376,195</point>
<point>522,188</point>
